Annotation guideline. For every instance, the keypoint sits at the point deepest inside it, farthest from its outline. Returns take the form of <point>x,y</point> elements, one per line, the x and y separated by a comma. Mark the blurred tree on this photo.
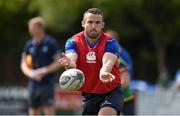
<point>161,19</point>
<point>13,20</point>
<point>145,22</point>
<point>134,17</point>
<point>61,15</point>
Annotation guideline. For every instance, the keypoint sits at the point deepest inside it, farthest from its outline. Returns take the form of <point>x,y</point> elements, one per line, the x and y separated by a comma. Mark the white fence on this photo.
<point>13,101</point>
<point>158,102</point>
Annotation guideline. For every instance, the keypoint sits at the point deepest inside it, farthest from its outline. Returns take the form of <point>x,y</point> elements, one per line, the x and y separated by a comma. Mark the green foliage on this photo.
<point>12,6</point>
<point>60,15</point>
<point>155,21</point>
<point>14,15</point>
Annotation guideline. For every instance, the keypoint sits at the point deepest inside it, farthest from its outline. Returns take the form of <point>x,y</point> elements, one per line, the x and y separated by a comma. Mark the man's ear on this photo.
<point>103,24</point>
<point>82,23</point>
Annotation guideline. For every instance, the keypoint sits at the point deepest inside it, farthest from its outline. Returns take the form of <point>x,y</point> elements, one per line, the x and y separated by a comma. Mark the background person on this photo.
<point>125,61</point>
<point>96,54</point>
<point>177,80</point>
<point>175,85</point>
<point>39,62</point>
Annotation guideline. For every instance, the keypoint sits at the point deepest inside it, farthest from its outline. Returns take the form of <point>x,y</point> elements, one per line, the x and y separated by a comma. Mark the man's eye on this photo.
<point>90,22</point>
<point>98,22</point>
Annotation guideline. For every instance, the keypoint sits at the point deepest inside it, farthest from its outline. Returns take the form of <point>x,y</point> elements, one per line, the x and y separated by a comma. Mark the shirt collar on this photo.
<point>34,42</point>
<point>95,42</point>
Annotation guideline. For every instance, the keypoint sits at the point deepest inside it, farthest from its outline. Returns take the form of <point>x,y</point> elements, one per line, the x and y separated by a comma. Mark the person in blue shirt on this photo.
<point>125,61</point>
<point>38,63</point>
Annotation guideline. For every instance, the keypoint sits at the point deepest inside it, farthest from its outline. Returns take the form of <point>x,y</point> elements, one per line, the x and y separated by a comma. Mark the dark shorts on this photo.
<point>129,107</point>
<point>92,103</point>
<point>41,96</point>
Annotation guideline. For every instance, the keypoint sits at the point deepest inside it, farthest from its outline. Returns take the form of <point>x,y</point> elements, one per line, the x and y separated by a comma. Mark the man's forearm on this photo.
<point>109,60</point>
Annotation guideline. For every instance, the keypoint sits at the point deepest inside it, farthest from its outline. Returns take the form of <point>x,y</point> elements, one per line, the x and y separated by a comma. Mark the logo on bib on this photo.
<point>91,57</point>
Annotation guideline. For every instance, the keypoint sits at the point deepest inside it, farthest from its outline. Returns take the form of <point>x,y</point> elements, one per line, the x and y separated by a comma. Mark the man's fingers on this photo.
<point>60,60</point>
<point>63,55</point>
<point>107,77</point>
<point>64,61</point>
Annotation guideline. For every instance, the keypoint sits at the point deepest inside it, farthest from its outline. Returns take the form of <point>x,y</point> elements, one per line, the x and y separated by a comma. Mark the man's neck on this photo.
<point>39,40</point>
<point>91,41</point>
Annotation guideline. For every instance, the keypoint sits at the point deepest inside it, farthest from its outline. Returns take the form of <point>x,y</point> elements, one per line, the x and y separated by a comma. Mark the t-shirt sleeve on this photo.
<point>70,46</point>
<point>113,46</point>
<point>25,49</point>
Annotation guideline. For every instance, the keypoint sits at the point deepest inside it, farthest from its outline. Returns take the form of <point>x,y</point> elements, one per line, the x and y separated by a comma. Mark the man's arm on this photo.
<point>53,67</point>
<point>68,60</point>
<point>108,60</point>
<point>38,73</point>
<point>124,76</point>
<point>24,67</point>
<point>124,72</point>
<point>27,70</point>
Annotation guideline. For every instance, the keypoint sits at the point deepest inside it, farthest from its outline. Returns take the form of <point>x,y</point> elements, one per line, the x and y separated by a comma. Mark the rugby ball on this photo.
<point>71,80</point>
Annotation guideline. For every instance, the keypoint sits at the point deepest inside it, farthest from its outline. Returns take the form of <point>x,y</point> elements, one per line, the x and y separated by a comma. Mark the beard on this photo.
<point>92,34</point>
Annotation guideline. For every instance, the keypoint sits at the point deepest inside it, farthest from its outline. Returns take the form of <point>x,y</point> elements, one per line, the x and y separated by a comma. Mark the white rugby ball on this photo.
<point>71,80</point>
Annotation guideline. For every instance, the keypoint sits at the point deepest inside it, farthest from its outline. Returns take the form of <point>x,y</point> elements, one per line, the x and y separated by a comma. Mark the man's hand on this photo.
<point>38,74</point>
<point>64,60</point>
<point>68,60</point>
<point>109,60</point>
<point>106,77</point>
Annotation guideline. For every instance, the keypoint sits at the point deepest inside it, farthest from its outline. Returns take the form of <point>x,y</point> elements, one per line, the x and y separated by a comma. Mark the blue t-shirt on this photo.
<point>112,46</point>
<point>126,60</point>
<point>42,54</point>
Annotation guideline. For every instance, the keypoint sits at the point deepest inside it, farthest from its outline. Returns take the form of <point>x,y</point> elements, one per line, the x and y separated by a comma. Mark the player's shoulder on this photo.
<point>113,42</point>
<point>29,42</point>
<point>50,40</point>
<point>70,42</point>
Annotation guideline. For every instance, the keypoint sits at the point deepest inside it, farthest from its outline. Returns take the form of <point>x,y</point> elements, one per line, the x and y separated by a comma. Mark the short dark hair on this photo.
<point>93,11</point>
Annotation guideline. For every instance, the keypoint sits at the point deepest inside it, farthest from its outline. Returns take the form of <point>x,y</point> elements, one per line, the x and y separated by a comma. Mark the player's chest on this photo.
<point>39,50</point>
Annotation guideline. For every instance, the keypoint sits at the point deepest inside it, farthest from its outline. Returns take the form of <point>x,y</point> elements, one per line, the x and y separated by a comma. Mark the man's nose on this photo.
<point>94,25</point>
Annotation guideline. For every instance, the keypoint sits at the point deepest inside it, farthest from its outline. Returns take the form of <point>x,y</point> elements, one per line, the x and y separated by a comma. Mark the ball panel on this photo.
<point>71,80</point>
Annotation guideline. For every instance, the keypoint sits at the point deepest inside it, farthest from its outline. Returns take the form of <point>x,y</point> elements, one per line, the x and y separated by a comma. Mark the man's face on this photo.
<point>36,31</point>
<point>93,25</point>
